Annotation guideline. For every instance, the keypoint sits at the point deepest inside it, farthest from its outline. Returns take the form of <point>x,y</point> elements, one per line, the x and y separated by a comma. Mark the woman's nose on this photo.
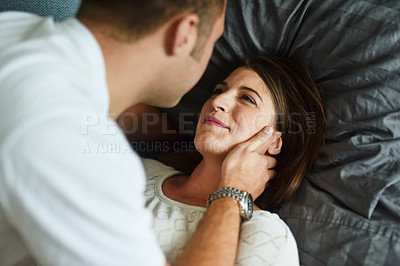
<point>222,102</point>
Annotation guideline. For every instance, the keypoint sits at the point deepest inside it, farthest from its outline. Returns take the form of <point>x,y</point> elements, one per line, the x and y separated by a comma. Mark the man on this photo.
<point>70,186</point>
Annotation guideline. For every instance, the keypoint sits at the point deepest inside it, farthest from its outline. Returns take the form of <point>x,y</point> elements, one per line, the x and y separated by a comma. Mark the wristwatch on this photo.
<point>244,199</point>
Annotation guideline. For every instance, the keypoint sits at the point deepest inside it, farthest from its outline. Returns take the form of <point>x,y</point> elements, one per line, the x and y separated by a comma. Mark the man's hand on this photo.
<point>248,167</point>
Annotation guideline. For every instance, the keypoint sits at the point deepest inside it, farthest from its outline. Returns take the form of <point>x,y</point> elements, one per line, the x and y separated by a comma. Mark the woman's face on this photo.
<point>239,107</point>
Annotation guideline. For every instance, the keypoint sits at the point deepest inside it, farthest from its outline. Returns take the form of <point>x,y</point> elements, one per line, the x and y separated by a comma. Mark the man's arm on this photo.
<point>216,240</point>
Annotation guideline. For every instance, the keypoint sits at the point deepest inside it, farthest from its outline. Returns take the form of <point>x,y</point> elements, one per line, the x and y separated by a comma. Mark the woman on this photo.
<point>265,91</point>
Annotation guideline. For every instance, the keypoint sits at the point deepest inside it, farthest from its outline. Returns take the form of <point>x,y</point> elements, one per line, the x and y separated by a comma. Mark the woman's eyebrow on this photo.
<point>252,90</point>
<point>223,83</point>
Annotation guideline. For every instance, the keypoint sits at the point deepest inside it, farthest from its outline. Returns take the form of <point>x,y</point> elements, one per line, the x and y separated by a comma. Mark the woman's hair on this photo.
<point>299,116</point>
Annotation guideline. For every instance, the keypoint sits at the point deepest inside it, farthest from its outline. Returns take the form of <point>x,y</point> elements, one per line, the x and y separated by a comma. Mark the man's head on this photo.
<point>176,37</point>
<point>130,20</point>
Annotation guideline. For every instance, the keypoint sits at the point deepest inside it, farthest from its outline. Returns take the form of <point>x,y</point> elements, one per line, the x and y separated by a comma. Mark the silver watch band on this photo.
<point>244,199</point>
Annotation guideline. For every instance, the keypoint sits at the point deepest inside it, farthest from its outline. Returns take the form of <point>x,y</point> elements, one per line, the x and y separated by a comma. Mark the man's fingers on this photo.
<point>261,141</point>
<point>263,149</point>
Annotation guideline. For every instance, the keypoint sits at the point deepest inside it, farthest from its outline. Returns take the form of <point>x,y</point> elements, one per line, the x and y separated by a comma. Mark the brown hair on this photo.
<point>299,116</point>
<point>128,20</point>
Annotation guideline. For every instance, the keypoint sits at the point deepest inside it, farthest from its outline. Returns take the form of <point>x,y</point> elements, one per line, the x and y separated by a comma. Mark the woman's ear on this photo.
<point>275,147</point>
<point>182,34</point>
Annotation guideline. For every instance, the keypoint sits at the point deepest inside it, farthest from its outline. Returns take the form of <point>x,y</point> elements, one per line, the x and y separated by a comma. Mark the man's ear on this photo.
<point>182,34</point>
<point>275,147</point>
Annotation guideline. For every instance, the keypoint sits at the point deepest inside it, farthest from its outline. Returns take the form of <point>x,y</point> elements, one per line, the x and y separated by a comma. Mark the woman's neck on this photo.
<point>195,189</point>
<point>205,178</point>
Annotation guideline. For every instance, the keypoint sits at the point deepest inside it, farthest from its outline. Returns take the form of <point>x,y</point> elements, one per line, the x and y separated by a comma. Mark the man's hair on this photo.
<point>299,116</point>
<point>129,20</point>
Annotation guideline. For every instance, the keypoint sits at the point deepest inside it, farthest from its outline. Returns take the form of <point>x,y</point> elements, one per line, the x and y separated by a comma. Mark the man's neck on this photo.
<point>130,69</point>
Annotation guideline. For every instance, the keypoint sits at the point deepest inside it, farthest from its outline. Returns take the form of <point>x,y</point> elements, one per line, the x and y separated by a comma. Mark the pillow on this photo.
<point>59,9</point>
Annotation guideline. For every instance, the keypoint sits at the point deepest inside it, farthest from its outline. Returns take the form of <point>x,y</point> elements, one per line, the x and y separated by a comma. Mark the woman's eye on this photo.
<point>249,99</point>
<point>217,91</point>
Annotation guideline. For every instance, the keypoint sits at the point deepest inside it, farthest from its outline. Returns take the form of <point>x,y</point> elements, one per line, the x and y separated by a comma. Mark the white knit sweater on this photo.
<point>264,240</point>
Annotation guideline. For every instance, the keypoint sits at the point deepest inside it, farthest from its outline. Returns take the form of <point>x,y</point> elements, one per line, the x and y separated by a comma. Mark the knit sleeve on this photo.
<point>266,240</point>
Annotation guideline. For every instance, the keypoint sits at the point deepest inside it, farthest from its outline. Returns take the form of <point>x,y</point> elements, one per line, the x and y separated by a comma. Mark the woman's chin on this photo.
<point>212,149</point>
<point>207,144</point>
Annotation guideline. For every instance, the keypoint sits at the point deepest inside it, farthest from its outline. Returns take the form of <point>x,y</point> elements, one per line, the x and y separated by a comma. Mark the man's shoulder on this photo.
<point>36,42</point>
<point>46,77</point>
<point>16,27</point>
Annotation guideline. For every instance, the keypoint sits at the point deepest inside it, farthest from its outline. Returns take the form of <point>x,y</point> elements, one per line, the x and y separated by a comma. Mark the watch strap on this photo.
<point>240,195</point>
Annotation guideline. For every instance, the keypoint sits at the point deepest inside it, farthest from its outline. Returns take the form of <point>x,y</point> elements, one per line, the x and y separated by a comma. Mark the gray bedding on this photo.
<point>347,211</point>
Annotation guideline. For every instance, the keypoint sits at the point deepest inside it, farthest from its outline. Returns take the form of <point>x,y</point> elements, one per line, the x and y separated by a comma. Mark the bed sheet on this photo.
<point>347,212</point>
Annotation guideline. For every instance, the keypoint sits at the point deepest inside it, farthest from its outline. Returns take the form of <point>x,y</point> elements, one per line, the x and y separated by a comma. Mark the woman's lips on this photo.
<point>211,120</point>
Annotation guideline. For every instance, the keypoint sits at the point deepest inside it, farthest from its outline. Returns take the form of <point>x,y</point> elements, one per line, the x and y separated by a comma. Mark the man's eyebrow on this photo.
<point>252,90</point>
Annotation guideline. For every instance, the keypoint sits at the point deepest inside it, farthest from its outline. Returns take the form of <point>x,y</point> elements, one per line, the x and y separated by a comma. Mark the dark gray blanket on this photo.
<point>347,211</point>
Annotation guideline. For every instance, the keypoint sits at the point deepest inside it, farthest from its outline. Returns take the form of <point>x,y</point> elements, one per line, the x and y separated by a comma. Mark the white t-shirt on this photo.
<point>71,188</point>
<point>264,240</point>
